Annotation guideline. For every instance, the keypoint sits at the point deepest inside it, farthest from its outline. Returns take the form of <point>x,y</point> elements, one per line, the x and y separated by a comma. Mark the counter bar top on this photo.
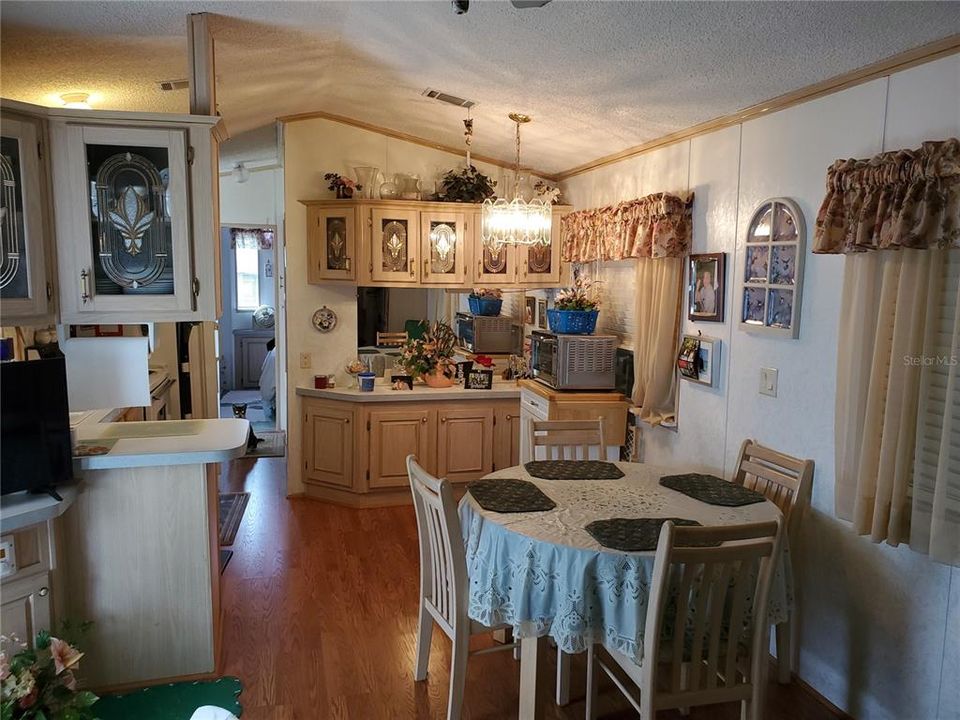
<point>504,390</point>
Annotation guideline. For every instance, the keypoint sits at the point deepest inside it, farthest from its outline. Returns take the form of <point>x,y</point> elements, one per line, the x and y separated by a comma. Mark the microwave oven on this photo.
<point>574,362</point>
<point>487,334</point>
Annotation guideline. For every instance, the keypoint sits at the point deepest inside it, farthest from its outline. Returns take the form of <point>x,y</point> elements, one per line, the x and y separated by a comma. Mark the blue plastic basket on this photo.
<point>484,306</point>
<point>573,322</point>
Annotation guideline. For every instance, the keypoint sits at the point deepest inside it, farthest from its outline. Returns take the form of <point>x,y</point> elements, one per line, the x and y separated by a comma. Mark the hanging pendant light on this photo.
<point>517,221</point>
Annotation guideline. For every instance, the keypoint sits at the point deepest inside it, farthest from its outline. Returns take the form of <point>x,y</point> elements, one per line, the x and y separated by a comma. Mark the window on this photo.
<point>247,260</point>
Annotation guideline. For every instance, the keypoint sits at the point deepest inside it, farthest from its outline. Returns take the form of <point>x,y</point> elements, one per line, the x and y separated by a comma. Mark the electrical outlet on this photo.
<point>768,381</point>
<point>306,360</point>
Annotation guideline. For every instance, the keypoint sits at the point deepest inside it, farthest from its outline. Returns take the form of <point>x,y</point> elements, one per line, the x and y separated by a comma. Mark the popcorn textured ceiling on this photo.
<point>596,76</point>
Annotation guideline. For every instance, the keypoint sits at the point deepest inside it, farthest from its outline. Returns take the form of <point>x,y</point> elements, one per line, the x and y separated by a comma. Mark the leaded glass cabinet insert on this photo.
<point>335,237</point>
<point>14,282</point>
<point>331,243</point>
<point>395,237</point>
<point>443,236</point>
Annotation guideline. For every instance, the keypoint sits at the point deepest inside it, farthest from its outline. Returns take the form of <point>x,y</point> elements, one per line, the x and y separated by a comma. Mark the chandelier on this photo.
<point>517,221</point>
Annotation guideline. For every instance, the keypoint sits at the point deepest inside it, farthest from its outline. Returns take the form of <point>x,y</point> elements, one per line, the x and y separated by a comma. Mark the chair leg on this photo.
<point>784,651</point>
<point>563,678</point>
<point>458,672</point>
<point>684,675</point>
<point>746,710</point>
<point>424,637</point>
<point>593,680</point>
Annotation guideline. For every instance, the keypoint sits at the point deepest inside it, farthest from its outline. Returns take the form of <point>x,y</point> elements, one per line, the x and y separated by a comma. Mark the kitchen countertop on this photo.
<point>21,509</point>
<point>503,390</point>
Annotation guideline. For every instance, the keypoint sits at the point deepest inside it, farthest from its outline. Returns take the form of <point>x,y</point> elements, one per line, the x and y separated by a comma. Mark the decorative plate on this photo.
<point>263,317</point>
<point>324,319</point>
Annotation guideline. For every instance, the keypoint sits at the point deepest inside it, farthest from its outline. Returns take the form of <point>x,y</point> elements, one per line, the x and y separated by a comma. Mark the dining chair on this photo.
<point>391,339</point>
<point>443,581</point>
<point>567,439</point>
<point>706,623</point>
<point>788,483</point>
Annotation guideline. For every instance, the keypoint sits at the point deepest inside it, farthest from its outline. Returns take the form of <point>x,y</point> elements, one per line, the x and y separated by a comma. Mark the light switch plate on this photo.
<point>306,360</point>
<point>768,381</point>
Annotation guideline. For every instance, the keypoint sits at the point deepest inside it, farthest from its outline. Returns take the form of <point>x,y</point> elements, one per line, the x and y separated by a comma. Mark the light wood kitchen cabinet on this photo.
<point>444,248</point>
<point>332,242</point>
<point>394,245</point>
<point>506,437</point>
<point>26,607</point>
<point>328,447</point>
<point>465,442</point>
<point>394,434</point>
<point>541,264</point>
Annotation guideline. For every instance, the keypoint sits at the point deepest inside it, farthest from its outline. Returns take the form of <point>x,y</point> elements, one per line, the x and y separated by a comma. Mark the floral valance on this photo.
<point>654,226</point>
<point>251,239</point>
<point>904,198</point>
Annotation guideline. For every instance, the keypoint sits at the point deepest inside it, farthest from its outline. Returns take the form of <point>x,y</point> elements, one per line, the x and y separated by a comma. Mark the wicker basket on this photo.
<point>573,322</point>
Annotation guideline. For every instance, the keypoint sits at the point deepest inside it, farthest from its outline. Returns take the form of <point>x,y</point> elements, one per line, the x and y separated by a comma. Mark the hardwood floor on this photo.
<point>320,606</point>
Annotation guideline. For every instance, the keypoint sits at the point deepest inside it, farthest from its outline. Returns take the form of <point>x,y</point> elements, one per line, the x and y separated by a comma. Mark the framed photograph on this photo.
<point>542,314</point>
<point>479,380</point>
<point>699,359</point>
<point>773,269</point>
<point>463,369</point>
<point>706,287</point>
<point>530,310</point>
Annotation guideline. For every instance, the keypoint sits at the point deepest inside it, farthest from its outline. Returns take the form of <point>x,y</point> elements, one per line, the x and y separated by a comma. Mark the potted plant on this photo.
<point>575,309</point>
<point>40,682</point>
<point>342,186</point>
<point>485,301</point>
<point>467,185</point>
<point>431,357</point>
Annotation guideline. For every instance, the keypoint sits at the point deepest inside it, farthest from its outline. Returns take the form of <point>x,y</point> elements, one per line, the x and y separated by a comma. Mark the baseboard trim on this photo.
<point>810,690</point>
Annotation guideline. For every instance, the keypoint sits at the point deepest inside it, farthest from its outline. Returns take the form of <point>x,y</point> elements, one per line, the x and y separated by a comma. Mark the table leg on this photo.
<point>534,677</point>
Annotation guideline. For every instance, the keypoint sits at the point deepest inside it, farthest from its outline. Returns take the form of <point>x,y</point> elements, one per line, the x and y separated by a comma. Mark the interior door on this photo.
<point>394,242</point>
<point>394,434</point>
<point>443,248</point>
<point>465,442</point>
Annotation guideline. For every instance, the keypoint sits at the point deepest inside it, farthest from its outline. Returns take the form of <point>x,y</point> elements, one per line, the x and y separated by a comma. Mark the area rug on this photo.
<point>232,506</point>
<point>176,701</point>
<point>274,445</point>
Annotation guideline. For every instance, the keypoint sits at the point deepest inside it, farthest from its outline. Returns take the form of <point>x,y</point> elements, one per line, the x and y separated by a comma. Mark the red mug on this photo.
<point>320,382</point>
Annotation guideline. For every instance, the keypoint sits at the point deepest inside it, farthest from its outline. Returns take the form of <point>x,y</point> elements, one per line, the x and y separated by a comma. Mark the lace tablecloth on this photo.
<point>543,573</point>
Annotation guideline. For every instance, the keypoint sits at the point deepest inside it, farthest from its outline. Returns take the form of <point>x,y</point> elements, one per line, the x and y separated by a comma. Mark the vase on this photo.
<point>343,192</point>
<point>367,180</point>
<point>389,191</point>
<point>436,379</point>
<point>409,186</point>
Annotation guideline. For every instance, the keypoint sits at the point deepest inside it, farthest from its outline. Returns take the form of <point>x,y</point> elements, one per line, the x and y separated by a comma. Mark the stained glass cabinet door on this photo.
<point>124,226</point>
<point>541,263</point>
<point>332,243</point>
<point>394,245</point>
<point>24,288</point>
<point>444,250</point>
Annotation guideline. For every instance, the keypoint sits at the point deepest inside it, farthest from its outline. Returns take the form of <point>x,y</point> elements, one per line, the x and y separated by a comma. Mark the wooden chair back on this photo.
<point>567,439</point>
<point>391,339</point>
<point>786,481</point>
<point>708,611</point>
<point>443,563</point>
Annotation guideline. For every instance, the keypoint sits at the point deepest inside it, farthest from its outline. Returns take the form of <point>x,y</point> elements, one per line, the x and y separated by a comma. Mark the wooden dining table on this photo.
<point>545,576</point>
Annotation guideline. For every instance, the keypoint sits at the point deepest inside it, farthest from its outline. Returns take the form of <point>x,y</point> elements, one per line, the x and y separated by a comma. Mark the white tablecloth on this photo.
<point>544,574</point>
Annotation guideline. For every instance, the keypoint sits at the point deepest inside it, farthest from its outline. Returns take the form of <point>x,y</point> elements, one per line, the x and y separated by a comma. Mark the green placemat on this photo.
<point>634,534</point>
<point>573,470</point>
<point>510,496</point>
<point>712,490</point>
<point>177,701</point>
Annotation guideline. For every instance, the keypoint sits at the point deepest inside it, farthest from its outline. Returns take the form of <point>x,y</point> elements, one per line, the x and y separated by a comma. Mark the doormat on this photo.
<point>232,506</point>
<point>176,701</point>
<point>274,445</point>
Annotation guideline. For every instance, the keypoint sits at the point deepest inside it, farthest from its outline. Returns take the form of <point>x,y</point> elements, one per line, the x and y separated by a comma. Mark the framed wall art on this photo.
<point>699,359</point>
<point>542,314</point>
<point>772,266</point>
<point>706,287</point>
<point>478,380</point>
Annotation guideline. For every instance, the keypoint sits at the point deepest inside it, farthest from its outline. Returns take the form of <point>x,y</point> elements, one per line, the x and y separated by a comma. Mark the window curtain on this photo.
<point>251,239</point>
<point>897,424</point>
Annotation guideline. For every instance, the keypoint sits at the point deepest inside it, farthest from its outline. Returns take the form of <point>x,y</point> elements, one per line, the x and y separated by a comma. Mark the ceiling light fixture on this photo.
<point>76,101</point>
<point>515,222</point>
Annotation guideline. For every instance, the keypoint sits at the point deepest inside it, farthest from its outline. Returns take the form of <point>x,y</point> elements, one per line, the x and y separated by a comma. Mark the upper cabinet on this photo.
<point>137,233</point>
<point>331,243</point>
<point>541,264</point>
<point>26,261</point>
<point>443,235</point>
<point>394,245</point>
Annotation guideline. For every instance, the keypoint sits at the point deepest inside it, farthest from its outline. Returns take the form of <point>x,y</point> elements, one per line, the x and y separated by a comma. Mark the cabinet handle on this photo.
<point>443,419</point>
<point>43,592</point>
<point>423,420</point>
<point>413,267</point>
<point>426,267</point>
<point>84,285</point>
<point>480,267</point>
<point>509,417</point>
<point>346,421</point>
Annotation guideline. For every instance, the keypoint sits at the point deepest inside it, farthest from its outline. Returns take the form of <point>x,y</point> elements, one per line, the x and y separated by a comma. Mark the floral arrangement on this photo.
<point>487,294</point>
<point>465,185</point>
<point>582,296</point>
<point>40,684</point>
<point>343,186</point>
<point>430,353</point>
<point>547,193</point>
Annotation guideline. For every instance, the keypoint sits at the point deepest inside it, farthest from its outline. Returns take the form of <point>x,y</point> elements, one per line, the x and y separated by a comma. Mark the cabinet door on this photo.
<point>394,241</point>
<point>124,230</point>
<point>394,434</point>
<point>444,248</point>
<point>331,243</point>
<point>328,445</point>
<point>26,607</point>
<point>24,287</point>
<point>464,443</point>
<point>541,263</point>
<point>506,446</point>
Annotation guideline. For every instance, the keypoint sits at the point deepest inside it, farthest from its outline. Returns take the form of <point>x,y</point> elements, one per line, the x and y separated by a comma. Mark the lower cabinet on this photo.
<point>26,607</point>
<point>356,453</point>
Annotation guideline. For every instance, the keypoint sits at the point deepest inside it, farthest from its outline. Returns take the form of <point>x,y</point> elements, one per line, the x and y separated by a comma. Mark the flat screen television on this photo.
<point>35,447</point>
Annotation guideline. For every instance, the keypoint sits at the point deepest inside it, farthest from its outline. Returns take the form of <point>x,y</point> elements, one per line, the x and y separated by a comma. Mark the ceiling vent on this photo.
<point>169,85</point>
<point>447,98</point>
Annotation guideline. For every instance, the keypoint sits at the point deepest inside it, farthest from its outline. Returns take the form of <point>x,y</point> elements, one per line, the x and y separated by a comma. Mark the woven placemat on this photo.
<point>712,490</point>
<point>634,534</point>
<point>510,496</point>
<point>573,470</point>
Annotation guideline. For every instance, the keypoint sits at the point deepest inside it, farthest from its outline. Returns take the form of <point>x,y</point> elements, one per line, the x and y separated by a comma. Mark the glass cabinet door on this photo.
<point>443,235</point>
<point>541,263</point>
<point>331,244</point>
<point>128,222</point>
<point>395,238</point>
<point>23,282</point>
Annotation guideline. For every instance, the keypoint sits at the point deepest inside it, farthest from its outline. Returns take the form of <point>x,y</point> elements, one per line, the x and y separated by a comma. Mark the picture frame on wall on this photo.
<point>772,269</point>
<point>542,314</point>
<point>699,359</point>
<point>706,287</point>
<point>530,310</point>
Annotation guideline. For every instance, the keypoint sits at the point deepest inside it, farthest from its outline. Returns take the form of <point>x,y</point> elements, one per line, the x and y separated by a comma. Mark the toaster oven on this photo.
<point>487,334</point>
<point>574,362</point>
